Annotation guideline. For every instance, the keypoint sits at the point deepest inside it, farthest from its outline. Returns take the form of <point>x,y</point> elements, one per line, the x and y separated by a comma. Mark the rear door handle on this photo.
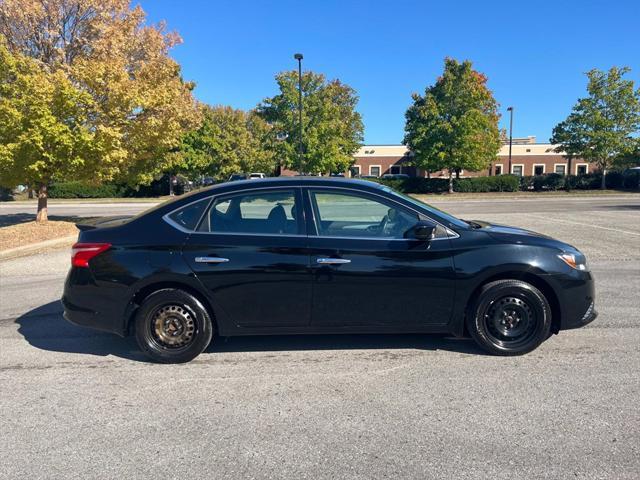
<point>332,261</point>
<point>211,260</point>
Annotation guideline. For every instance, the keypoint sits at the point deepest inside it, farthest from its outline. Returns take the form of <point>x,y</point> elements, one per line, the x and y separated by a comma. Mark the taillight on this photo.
<point>81,253</point>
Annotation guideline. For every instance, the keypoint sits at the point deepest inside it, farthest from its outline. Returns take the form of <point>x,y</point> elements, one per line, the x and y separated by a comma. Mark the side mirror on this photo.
<point>423,231</point>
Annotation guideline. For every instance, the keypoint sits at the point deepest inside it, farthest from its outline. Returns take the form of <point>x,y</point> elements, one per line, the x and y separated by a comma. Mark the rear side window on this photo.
<point>187,217</point>
<point>271,212</point>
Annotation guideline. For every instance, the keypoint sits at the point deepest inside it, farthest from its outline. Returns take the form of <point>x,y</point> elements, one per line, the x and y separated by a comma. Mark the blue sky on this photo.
<point>534,53</point>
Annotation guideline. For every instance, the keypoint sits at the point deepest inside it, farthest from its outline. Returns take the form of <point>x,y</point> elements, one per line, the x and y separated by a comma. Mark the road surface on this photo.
<point>82,404</point>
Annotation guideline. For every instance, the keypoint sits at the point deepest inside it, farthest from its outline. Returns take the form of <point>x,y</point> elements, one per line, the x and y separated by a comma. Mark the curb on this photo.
<point>39,247</point>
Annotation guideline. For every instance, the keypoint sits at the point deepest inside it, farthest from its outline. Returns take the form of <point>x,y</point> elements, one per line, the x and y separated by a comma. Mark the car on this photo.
<point>255,176</point>
<point>237,176</point>
<point>395,176</point>
<point>311,255</point>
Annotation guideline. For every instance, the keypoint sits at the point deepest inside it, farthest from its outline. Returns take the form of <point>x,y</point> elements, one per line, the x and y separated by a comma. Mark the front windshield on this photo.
<point>453,221</point>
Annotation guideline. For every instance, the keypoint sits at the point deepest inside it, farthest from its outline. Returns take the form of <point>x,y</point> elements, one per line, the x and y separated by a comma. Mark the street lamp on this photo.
<point>510,110</point>
<point>298,57</point>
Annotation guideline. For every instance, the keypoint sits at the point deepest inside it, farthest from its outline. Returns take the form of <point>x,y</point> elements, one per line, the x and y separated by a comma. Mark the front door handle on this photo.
<point>211,260</point>
<point>332,261</point>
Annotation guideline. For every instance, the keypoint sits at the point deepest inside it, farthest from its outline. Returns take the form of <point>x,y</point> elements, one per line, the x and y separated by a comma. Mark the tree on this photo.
<point>332,128</point>
<point>43,126</point>
<point>454,125</point>
<point>135,104</point>
<point>602,126</point>
<point>228,141</point>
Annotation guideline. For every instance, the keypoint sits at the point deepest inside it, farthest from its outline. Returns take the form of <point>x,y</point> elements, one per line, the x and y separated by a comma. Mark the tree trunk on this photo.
<point>29,192</point>
<point>43,196</point>
<point>604,179</point>
<point>450,181</point>
<point>428,173</point>
<point>458,173</point>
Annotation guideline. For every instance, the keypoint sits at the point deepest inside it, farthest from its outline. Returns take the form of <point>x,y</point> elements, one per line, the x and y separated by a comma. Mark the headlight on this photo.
<point>578,262</point>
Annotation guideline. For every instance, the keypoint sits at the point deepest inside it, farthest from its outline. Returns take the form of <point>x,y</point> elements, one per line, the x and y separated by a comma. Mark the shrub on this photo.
<point>5,194</point>
<point>85,190</point>
<point>631,180</point>
<point>502,183</point>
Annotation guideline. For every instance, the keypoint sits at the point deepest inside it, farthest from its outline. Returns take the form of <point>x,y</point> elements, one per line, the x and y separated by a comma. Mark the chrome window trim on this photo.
<point>166,217</point>
<point>451,233</point>
<point>213,198</point>
<point>406,207</point>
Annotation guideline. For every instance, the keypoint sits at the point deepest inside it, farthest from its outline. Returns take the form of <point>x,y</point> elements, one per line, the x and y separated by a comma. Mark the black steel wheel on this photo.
<point>172,326</point>
<point>509,317</point>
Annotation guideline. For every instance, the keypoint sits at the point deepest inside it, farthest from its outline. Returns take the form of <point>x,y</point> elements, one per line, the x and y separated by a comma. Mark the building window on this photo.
<point>581,169</point>
<point>538,169</point>
<point>374,170</point>
<point>355,171</point>
<point>498,170</point>
<point>517,170</point>
<point>560,168</point>
<point>395,169</point>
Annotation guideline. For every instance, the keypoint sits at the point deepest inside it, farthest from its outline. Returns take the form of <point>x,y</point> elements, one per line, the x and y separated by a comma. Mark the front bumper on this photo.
<point>577,298</point>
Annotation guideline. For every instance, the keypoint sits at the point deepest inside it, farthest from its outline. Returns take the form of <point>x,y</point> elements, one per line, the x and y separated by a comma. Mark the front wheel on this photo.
<point>172,326</point>
<point>509,317</point>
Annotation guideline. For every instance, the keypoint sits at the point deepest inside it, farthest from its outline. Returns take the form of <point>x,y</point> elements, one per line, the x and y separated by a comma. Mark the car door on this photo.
<point>366,273</point>
<point>249,251</point>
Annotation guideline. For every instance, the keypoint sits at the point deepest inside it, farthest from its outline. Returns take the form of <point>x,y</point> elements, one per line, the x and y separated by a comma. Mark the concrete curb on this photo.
<point>39,247</point>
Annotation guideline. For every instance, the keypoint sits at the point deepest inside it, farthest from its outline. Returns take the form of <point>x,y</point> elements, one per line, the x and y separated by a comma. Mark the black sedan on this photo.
<point>319,255</point>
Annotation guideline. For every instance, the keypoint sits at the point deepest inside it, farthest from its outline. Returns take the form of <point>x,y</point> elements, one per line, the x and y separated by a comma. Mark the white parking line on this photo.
<point>590,225</point>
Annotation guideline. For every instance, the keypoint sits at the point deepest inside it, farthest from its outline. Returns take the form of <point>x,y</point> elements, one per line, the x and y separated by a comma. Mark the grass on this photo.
<point>27,233</point>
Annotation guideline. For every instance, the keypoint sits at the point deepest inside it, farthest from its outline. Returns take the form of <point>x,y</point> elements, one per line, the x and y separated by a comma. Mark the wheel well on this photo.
<point>144,292</point>
<point>530,278</point>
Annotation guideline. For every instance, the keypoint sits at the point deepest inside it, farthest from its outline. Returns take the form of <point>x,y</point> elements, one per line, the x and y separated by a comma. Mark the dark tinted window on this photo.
<point>187,217</point>
<point>269,212</point>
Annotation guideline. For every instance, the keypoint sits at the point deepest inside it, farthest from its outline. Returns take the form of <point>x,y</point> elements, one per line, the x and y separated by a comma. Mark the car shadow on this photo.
<point>45,328</point>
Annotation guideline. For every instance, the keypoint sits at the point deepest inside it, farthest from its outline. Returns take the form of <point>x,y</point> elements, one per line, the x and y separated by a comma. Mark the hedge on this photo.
<point>84,190</point>
<point>512,183</point>
<point>499,183</point>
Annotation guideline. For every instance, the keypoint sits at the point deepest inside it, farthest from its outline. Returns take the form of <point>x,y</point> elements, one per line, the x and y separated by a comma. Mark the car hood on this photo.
<point>508,234</point>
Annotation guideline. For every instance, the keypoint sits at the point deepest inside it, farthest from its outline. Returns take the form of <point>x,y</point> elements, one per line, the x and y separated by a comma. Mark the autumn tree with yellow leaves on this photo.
<point>87,91</point>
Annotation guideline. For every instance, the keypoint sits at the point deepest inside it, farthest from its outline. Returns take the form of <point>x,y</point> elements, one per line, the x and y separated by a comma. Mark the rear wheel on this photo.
<point>509,317</point>
<point>172,326</point>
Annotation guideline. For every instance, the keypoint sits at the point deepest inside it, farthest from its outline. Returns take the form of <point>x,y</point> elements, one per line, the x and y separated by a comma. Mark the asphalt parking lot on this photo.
<point>82,404</point>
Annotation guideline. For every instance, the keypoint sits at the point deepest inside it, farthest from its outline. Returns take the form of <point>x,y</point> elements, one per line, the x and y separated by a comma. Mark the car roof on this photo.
<point>239,185</point>
<point>297,181</point>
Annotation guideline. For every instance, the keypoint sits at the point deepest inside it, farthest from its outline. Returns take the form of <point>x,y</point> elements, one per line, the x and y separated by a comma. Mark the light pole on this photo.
<point>510,110</point>
<point>298,57</point>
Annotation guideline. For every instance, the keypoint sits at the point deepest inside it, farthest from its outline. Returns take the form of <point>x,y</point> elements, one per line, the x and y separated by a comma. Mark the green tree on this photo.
<point>454,125</point>
<point>228,141</point>
<point>332,128</point>
<point>44,132</point>
<point>134,104</point>
<point>602,126</point>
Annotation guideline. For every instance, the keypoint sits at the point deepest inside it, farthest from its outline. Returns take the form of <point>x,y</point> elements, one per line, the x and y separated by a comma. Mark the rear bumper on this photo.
<point>87,305</point>
<point>88,318</point>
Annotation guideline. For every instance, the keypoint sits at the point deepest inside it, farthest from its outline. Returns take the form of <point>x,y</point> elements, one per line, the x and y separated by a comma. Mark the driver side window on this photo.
<point>348,214</point>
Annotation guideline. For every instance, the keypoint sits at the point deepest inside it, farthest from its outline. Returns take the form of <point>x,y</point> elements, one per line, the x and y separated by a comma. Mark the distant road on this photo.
<point>476,207</point>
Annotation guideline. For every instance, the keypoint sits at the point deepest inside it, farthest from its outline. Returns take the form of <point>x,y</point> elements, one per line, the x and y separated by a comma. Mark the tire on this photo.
<point>509,317</point>
<point>172,326</point>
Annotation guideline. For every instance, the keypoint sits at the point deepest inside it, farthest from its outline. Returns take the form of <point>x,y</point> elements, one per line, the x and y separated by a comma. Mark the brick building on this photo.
<point>527,158</point>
